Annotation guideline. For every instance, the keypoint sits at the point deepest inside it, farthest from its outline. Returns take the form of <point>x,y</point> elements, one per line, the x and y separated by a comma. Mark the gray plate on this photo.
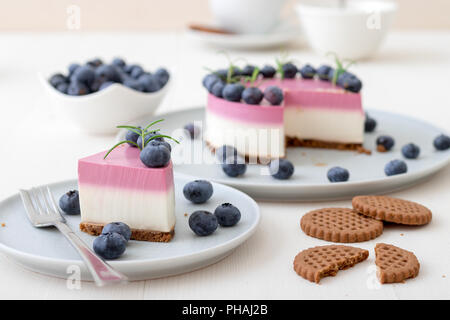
<point>309,182</point>
<point>46,251</point>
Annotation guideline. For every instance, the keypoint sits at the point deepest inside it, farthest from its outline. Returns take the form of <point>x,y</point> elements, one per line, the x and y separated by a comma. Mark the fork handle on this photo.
<point>101,271</point>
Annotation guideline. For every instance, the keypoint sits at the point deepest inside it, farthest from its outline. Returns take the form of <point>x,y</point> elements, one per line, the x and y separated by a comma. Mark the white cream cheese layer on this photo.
<point>146,210</point>
<point>324,124</point>
<point>255,140</point>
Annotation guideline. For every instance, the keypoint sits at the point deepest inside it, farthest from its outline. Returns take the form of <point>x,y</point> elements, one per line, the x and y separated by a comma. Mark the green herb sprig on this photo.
<point>142,132</point>
<point>252,79</point>
<point>280,62</point>
<point>340,68</point>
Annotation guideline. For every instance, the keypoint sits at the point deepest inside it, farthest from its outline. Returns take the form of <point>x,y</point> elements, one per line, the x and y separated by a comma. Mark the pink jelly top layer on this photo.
<point>123,169</point>
<point>299,93</point>
<point>247,113</point>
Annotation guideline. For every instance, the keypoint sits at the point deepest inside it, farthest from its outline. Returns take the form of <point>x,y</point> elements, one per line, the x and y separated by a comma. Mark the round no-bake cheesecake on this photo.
<point>319,108</point>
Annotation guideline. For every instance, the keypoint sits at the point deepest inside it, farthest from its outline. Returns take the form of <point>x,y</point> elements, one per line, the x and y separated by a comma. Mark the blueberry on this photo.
<point>274,95</point>
<point>95,86</point>
<point>192,130</point>
<point>155,155</point>
<point>281,169</point>
<point>222,74</point>
<point>324,72</point>
<point>110,245</point>
<point>252,95</point>
<point>162,75</point>
<point>227,215</point>
<point>234,166</point>
<point>72,68</point>
<point>57,79</point>
<point>132,136</point>
<point>198,191</point>
<point>307,72</point>
<point>134,84</point>
<point>129,67</point>
<point>410,151</point>
<point>148,136</point>
<point>77,89</point>
<point>95,63</point>
<point>149,82</point>
<point>338,174</point>
<point>248,70</point>
<point>119,62</point>
<point>118,227</point>
<point>203,223</point>
<point>395,167</point>
<point>289,70</point>
<point>233,92</point>
<point>209,81</point>
<point>369,124</point>
<point>70,202</point>
<point>108,73</point>
<point>136,72</point>
<point>268,71</point>
<point>349,82</point>
<point>159,141</point>
<point>105,85</point>
<point>84,75</point>
<point>217,88</point>
<point>62,87</point>
<point>384,143</point>
<point>442,142</point>
<point>224,152</point>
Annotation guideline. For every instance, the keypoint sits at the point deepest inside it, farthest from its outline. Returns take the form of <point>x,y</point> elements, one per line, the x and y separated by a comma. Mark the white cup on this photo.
<point>353,32</point>
<point>247,16</point>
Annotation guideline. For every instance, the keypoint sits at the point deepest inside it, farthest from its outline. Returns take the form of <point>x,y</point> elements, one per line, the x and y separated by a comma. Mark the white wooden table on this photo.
<point>410,75</point>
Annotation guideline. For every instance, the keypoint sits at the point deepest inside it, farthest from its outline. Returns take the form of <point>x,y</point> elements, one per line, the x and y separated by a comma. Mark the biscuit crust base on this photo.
<point>311,143</point>
<point>95,229</point>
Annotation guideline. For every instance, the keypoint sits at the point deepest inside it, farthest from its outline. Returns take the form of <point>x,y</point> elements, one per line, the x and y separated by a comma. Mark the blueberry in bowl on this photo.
<point>96,97</point>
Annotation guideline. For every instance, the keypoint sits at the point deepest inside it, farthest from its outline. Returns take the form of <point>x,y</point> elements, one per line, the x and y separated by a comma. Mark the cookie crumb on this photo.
<point>3,225</point>
<point>443,276</point>
<point>401,234</point>
<point>185,214</point>
<point>381,148</point>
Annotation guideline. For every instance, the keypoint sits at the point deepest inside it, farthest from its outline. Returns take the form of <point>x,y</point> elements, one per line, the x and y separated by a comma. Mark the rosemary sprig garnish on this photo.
<point>340,69</point>
<point>142,132</point>
<point>280,62</point>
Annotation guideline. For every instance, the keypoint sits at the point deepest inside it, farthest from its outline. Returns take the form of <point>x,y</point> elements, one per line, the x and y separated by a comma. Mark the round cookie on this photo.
<point>316,263</point>
<point>392,210</point>
<point>340,225</point>
<point>395,264</point>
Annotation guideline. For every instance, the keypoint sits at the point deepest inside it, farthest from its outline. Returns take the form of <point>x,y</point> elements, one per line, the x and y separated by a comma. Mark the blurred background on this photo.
<point>157,15</point>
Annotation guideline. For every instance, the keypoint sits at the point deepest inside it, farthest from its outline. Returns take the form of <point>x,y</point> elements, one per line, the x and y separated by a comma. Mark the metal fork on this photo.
<point>43,211</point>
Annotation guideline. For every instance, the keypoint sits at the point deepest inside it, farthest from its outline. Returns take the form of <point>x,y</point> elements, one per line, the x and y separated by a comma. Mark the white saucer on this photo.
<point>46,251</point>
<point>309,181</point>
<point>283,34</point>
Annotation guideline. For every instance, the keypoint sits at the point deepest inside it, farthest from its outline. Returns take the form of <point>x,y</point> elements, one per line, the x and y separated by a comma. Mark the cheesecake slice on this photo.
<point>121,188</point>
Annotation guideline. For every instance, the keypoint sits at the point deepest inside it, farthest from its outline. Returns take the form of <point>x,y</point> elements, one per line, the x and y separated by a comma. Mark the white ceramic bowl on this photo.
<point>354,32</point>
<point>100,112</point>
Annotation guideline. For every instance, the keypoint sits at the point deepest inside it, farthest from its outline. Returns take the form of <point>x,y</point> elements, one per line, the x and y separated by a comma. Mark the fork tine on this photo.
<point>53,201</point>
<point>45,200</point>
<point>26,199</point>
<point>37,201</point>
